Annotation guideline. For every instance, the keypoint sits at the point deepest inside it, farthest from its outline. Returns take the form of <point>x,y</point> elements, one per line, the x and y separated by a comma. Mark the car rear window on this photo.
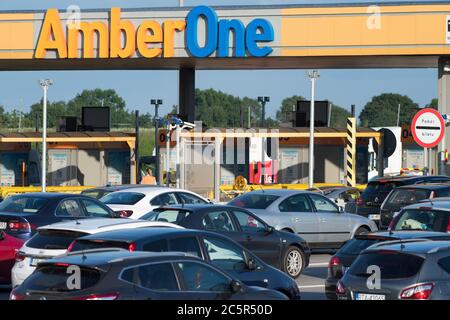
<point>172,216</point>
<point>53,239</point>
<point>392,264</point>
<point>23,204</point>
<point>80,245</point>
<point>444,263</point>
<point>254,201</point>
<point>125,198</point>
<point>355,246</point>
<point>55,279</point>
<point>422,219</point>
<point>407,196</point>
<point>381,187</point>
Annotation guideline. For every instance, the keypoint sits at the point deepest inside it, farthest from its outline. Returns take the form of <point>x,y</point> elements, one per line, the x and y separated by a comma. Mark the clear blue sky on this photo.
<point>344,87</point>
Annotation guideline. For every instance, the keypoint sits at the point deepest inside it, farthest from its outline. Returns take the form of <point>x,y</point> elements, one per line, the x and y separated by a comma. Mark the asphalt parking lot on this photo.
<point>311,282</point>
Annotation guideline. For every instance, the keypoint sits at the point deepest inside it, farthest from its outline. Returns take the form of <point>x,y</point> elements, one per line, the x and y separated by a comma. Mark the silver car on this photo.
<point>316,218</point>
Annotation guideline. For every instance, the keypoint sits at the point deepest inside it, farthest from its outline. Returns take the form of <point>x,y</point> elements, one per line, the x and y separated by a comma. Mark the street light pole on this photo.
<point>313,75</point>
<point>157,103</point>
<point>263,101</point>
<point>44,84</point>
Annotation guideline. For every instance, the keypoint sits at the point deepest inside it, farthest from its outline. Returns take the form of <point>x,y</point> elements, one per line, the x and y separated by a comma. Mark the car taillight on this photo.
<point>448,225</point>
<point>107,296</point>
<point>19,256</point>
<point>335,267</point>
<point>132,247</point>
<point>417,292</point>
<point>340,288</point>
<point>359,201</point>
<point>15,296</point>
<point>125,213</point>
<point>18,226</point>
<point>70,248</point>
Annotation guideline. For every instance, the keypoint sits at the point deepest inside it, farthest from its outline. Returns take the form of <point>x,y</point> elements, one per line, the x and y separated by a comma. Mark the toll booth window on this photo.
<point>22,204</point>
<point>69,208</point>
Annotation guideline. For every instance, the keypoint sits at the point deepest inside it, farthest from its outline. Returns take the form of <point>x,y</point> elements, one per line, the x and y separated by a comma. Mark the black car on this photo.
<point>368,205</point>
<point>406,195</point>
<point>342,260</point>
<point>122,275</point>
<point>21,215</point>
<point>219,250</point>
<point>284,250</point>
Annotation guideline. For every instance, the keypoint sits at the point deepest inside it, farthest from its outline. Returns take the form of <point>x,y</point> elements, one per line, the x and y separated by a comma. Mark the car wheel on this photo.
<point>361,230</point>
<point>294,261</point>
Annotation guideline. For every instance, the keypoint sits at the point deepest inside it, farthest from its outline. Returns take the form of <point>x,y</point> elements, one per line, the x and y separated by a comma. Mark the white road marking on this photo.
<point>313,286</point>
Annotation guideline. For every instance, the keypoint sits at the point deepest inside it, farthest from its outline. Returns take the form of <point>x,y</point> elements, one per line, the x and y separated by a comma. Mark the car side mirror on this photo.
<point>251,264</point>
<point>235,286</point>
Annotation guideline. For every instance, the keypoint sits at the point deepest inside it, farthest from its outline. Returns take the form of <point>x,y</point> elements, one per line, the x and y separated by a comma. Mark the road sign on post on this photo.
<point>351,152</point>
<point>427,128</point>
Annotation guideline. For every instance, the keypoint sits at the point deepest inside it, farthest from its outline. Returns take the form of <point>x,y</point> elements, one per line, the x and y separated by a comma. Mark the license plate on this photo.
<point>368,296</point>
<point>3,225</point>
<point>34,262</point>
<point>374,216</point>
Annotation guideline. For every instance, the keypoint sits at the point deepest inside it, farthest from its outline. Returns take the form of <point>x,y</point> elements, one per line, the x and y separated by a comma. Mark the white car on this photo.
<point>134,203</point>
<point>53,240</point>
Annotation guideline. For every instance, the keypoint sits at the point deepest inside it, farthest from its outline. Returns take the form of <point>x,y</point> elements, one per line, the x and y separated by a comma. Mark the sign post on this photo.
<point>427,129</point>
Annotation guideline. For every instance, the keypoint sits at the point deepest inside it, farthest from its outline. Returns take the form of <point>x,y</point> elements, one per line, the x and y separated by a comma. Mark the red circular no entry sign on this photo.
<point>427,128</point>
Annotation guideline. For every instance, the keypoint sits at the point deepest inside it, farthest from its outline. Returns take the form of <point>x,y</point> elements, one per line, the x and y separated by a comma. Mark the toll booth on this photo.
<point>73,159</point>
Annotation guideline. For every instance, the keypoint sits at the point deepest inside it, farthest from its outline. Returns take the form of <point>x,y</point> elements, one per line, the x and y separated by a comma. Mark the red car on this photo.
<point>8,247</point>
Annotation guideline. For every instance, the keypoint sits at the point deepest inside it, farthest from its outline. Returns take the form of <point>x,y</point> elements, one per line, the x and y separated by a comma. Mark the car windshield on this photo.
<point>23,204</point>
<point>125,198</point>
<point>254,201</point>
<point>381,186</point>
<point>422,219</point>
<point>392,264</point>
<point>355,246</point>
<point>407,196</point>
<point>170,215</point>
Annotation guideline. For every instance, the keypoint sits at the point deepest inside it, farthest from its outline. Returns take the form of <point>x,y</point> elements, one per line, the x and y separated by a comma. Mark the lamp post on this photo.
<point>313,75</point>
<point>263,101</point>
<point>157,103</point>
<point>45,83</point>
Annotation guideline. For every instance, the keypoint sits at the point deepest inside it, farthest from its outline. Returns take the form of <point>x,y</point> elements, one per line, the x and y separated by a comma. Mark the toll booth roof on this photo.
<point>24,137</point>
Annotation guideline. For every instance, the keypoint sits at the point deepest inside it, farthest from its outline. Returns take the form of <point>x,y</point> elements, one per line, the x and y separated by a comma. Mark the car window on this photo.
<point>188,198</point>
<point>200,277</point>
<point>53,239</point>
<point>94,209</point>
<point>157,277</point>
<point>356,246</point>
<point>122,198</point>
<point>156,246</point>
<point>249,223</point>
<point>381,186</point>
<point>164,199</point>
<point>189,245</point>
<point>407,196</point>
<point>225,254</point>
<point>170,215</point>
<point>21,204</point>
<point>253,200</point>
<point>322,204</point>
<point>443,193</point>
<point>444,263</point>
<point>422,219</point>
<point>296,203</point>
<point>69,208</point>
<point>219,220</point>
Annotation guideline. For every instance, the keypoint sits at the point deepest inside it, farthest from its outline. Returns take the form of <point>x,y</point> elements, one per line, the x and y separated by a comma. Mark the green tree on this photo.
<point>382,110</point>
<point>433,104</point>
<point>3,117</point>
<point>339,117</point>
<point>288,104</point>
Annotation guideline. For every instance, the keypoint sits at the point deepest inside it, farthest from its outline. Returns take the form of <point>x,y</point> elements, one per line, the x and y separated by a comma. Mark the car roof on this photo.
<point>403,178</point>
<point>414,247</point>
<point>404,234</point>
<point>435,204</point>
<point>120,187</point>
<point>279,192</point>
<point>49,195</point>
<point>197,207</point>
<point>132,235</point>
<point>108,256</point>
<point>95,225</point>
<point>428,186</point>
<point>152,189</point>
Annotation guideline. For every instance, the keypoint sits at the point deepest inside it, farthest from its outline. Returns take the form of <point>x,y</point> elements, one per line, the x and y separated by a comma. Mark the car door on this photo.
<point>226,255</point>
<point>298,210</point>
<point>334,226</point>
<point>255,235</point>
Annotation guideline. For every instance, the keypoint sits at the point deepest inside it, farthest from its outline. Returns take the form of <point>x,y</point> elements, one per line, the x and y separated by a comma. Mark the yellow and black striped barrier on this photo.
<point>351,152</point>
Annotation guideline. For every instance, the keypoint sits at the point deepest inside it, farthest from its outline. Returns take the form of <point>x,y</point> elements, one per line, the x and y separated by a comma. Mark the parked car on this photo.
<point>8,247</point>
<point>343,259</point>
<point>137,202</point>
<point>408,270</point>
<point>217,249</point>
<point>21,215</point>
<point>53,240</point>
<point>314,217</point>
<point>341,195</point>
<point>282,250</point>
<point>100,192</point>
<point>378,189</point>
<point>122,275</point>
<point>406,195</point>
<point>430,215</point>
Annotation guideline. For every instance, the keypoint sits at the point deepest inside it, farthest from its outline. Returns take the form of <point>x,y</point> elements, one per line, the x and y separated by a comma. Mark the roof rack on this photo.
<point>392,242</point>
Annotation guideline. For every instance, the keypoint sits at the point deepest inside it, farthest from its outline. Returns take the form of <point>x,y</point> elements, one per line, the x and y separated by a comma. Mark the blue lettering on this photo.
<point>252,37</point>
<point>238,30</point>
<point>210,17</point>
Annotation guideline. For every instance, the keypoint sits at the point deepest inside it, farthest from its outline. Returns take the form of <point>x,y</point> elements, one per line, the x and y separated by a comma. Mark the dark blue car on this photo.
<point>21,215</point>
